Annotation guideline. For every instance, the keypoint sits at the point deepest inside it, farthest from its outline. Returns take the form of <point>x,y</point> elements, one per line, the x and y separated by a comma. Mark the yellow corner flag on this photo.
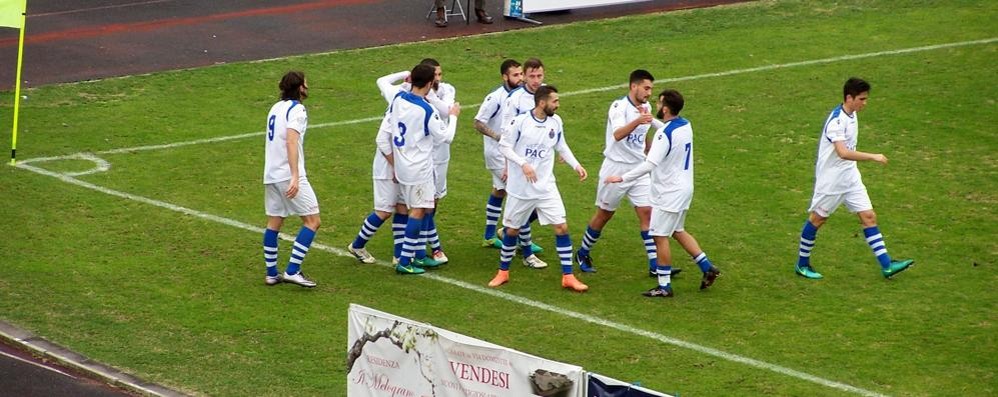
<point>12,14</point>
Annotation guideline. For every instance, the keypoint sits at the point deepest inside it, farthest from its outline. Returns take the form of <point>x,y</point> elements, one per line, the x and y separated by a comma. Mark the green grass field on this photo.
<point>179,299</point>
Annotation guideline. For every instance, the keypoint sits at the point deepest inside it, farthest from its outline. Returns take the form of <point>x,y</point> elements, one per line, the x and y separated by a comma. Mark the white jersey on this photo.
<point>488,114</point>
<point>672,154</point>
<point>631,149</point>
<point>834,175</point>
<point>283,115</point>
<point>416,128</point>
<point>519,101</point>
<point>442,99</point>
<point>381,169</point>
<point>529,140</point>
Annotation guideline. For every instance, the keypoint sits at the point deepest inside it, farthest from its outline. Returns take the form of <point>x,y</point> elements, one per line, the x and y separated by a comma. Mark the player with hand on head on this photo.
<point>837,182</point>
<point>387,198</point>
<point>530,143</point>
<point>670,162</point>
<point>416,129</point>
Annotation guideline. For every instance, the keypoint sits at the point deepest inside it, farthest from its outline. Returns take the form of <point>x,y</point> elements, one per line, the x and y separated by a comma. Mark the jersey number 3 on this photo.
<point>400,140</point>
<point>270,127</point>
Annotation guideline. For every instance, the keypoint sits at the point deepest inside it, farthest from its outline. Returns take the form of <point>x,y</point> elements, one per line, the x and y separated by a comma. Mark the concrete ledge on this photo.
<point>38,346</point>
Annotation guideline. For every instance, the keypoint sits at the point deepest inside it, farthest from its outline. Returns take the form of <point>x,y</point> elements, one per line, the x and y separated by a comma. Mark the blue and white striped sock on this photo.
<point>367,230</point>
<point>702,261</point>
<point>508,251</point>
<point>399,222</point>
<point>302,243</point>
<point>431,231</point>
<point>525,241</point>
<point>413,229</point>
<point>492,211</point>
<point>650,250</point>
<point>664,276</point>
<point>876,242</point>
<point>564,246</point>
<point>589,239</point>
<point>808,235</point>
<point>270,251</point>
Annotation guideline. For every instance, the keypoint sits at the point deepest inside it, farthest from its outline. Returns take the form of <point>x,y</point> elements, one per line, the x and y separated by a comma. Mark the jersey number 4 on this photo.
<point>400,140</point>
<point>270,127</point>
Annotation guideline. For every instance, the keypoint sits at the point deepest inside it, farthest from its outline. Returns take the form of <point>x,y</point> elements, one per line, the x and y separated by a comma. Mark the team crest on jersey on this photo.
<point>551,133</point>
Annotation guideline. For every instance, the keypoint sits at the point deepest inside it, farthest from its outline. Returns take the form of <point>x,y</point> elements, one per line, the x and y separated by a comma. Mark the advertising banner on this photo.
<point>602,386</point>
<point>517,8</point>
<point>392,356</point>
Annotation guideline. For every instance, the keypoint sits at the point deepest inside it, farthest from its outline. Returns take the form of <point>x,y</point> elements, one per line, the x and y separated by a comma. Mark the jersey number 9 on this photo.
<point>270,127</point>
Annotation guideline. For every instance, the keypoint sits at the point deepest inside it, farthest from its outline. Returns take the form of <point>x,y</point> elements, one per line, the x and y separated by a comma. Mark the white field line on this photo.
<point>571,93</point>
<point>36,364</point>
<point>477,288</point>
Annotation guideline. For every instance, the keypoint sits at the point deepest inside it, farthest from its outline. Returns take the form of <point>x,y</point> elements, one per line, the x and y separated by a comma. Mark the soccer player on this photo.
<point>488,122</point>
<point>670,161</point>
<point>837,181</point>
<point>387,198</point>
<point>627,125</point>
<point>521,101</point>
<point>441,97</point>
<point>286,188</point>
<point>530,142</point>
<point>416,129</point>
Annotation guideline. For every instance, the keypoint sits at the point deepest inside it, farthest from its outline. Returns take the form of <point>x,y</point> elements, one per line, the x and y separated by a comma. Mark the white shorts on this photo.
<point>826,204</point>
<point>386,195</point>
<point>497,182</point>
<point>440,180</point>
<point>550,211</point>
<point>665,223</point>
<point>417,196</point>
<point>609,195</point>
<point>277,204</point>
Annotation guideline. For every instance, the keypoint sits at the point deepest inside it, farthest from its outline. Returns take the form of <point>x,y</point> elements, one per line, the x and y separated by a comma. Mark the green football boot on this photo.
<point>897,267</point>
<point>411,269</point>
<point>494,242</point>
<point>808,272</point>
<point>426,263</point>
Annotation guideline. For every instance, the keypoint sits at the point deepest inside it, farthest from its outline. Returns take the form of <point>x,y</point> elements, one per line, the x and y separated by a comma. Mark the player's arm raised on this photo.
<point>391,84</point>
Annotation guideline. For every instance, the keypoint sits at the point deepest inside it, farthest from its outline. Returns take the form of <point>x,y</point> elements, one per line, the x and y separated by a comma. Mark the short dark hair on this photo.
<point>855,86</point>
<point>673,100</point>
<point>532,63</point>
<point>430,61</point>
<point>507,65</point>
<point>291,85</point>
<point>640,75</point>
<point>422,75</point>
<point>543,93</point>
